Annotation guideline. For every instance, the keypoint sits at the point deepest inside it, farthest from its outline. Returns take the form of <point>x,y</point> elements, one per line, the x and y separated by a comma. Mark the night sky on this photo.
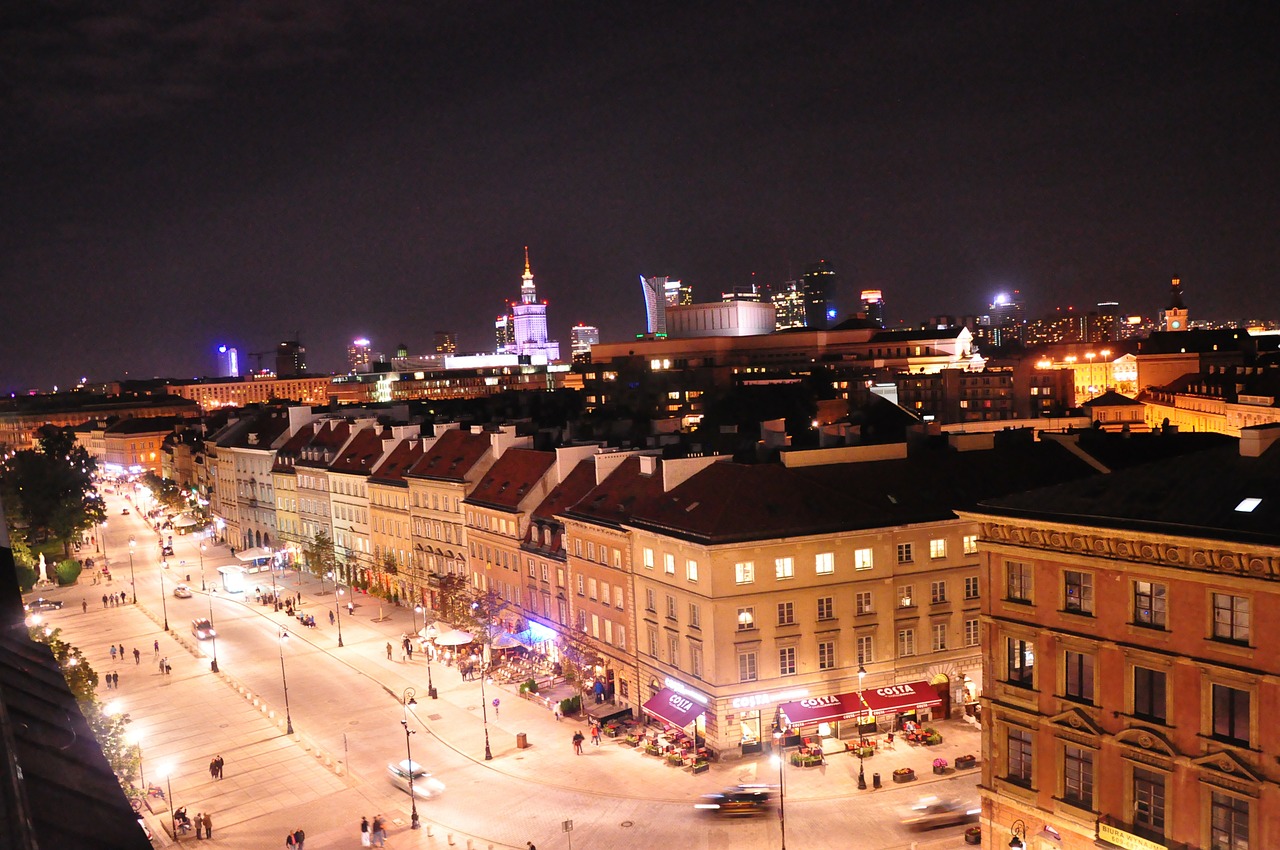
<point>178,174</point>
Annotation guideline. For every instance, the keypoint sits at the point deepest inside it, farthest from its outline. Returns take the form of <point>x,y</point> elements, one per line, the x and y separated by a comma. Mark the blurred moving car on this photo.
<point>124,510</point>
<point>424,784</point>
<point>932,812</point>
<point>42,604</point>
<point>182,591</point>
<point>738,800</point>
<point>202,628</point>
<point>166,550</point>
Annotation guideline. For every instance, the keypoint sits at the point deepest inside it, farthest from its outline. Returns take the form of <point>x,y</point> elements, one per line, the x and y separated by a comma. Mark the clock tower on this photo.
<point>1174,317</point>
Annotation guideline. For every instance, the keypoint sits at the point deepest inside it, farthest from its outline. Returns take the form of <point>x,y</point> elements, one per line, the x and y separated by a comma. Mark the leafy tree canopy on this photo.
<point>49,491</point>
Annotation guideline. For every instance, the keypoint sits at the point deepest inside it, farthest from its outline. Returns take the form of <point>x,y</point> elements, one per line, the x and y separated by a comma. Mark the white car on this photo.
<point>931,812</point>
<point>182,591</point>
<point>424,784</point>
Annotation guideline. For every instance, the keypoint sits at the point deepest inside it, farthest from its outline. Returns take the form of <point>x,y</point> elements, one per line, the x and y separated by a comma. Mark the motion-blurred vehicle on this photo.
<point>124,510</point>
<point>182,591</point>
<point>932,812</point>
<point>202,628</point>
<point>42,604</point>
<point>424,784</point>
<point>743,800</point>
<point>166,550</point>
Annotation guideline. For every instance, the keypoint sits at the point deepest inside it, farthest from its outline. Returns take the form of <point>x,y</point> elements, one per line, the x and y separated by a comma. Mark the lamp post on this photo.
<point>202,587</point>
<point>417,609</point>
<point>484,706</point>
<point>337,591</point>
<point>132,584</point>
<point>213,635</point>
<point>164,603</point>
<point>1018,835</point>
<point>862,779</point>
<point>779,753</point>
<point>136,740</point>
<point>408,700</point>
<point>168,781</point>
<point>288,718</point>
<point>431,633</point>
<point>271,565</point>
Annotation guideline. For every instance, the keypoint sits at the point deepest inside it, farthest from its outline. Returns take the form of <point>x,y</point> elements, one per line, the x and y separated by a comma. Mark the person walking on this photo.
<point>299,837</point>
<point>388,650</point>
<point>155,648</point>
<point>115,680</point>
<point>122,652</point>
<point>104,600</point>
<point>213,768</point>
<point>351,609</point>
<point>113,652</point>
<point>577,742</point>
<point>379,832</point>
<point>365,841</point>
<point>84,606</point>
<point>331,618</point>
<point>595,732</point>
<point>208,826</point>
<point>162,661</point>
<point>137,656</point>
<point>219,763</point>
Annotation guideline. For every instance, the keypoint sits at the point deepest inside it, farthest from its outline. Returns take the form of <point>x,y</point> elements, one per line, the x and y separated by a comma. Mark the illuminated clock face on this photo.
<point>1176,324</point>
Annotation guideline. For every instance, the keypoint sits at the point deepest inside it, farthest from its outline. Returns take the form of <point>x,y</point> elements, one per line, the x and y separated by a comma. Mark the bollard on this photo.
<point>471,843</point>
<point>875,780</point>
<point>429,827</point>
<point>451,839</point>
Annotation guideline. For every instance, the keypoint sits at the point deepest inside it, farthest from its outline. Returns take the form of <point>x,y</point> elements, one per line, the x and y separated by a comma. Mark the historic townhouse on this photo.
<point>284,477</point>
<point>1130,686</point>
<point>438,483</point>
<point>762,590</point>
<point>546,576</point>
<point>248,450</point>
<point>349,493</point>
<point>312,466</point>
<point>389,520</point>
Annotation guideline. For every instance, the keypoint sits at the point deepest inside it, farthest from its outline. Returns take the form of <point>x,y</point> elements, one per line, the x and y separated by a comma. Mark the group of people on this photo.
<point>202,822</point>
<point>112,600</point>
<point>295,838</point>
<point>373,834</point>
<point>215,767</point>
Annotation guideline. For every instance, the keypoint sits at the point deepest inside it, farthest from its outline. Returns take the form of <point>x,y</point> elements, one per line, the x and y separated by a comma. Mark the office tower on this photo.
<point>788,304</point>
<point>1004,323</point>
<point>819,294</point>
<point>741,293</point>
<point>678,294</point>
<point>581,338</point>
<point>1106,322</point>
<point>1174,317</point>
<point>291,359</point>
<point>655,304</point>
<point>504,332</point>
<point>228,362</point>
<point>873,305</point>
<point>358,355</point>
<point>446,342</point>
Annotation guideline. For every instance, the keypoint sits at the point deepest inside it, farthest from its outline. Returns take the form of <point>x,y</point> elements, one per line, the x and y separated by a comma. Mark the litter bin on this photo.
<point>875,780</point>
<point>522,741</point>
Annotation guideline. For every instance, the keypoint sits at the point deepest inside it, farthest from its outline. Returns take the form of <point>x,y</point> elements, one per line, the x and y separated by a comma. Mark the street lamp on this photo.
<point>164,604</point>
<point>779,751</point>
<point>213,635</point>
<point>202,587</point>
<point>1018,833</point>
<point>484,706</point>
<point>431,631</point>
<point>337,591</point>
<point>417,609</point>
<point>133,584</point>
<point>862,779</point>
<point>168,781</point>
<point>408,700</point>
<point>288,719</point>
<point>136,740</point>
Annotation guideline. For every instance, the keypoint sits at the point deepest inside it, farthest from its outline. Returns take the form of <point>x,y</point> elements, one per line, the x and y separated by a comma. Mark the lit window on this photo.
<point>648,559</point>
<point>825,563</point>
<point>938,548</point>
<point>669,564</point>
<point>691,570</point>
<point>784,568</point>
<point>745,572</point>
<point>862,559</point>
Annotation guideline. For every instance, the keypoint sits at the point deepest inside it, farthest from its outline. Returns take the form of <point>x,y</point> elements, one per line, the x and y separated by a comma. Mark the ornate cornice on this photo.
<point>1120,545</point>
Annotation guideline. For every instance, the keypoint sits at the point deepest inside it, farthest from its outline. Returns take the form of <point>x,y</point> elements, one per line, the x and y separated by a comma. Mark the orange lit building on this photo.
<point>1130,677</point>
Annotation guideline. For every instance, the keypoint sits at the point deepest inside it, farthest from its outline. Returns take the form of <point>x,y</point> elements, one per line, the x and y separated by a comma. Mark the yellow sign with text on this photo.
<point>1127,840</point>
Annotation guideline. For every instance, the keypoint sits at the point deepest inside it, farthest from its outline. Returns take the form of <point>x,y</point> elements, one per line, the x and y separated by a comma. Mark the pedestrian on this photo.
<point>298,838</point>
<point>213,768</point>
<point>84,606</point>
<point>595,733</point>
<point>163,661</point>
<point>351,609</point>
<point>104,600</point>
<point>115,680</point>
<point>408,648</point>
<point>530,845</point>
<point>555,709</point>
<point>167,669</point>
<point>496,703</point>
<point>388,650</point>
<point>122,597</point>
<point>122,652</point>
<point>364,832</point>
<point>208,826</point>
<point>379,832</point>
<point>331,618</point>
<point>577,742</point>
<point>107,679</point>
<point>219,762</point>
<point>137,656</point>
<point>113,652</point>
<point>155,646</point>
<point>299,598</point>
<point>289,840</point>
<point>199,822</point>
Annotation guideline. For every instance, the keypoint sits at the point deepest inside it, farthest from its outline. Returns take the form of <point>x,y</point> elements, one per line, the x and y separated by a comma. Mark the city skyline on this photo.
<point>207,177</point>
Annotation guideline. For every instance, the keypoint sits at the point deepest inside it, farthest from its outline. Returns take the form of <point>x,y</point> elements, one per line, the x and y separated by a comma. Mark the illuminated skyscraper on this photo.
<point>819,294</point>
<point>446,342</point>
<point>788,304</point>
<point>582,337</point>
<point>657,297</point>
<point>228,362</point>
<point>358,355</point>
<point>528,322</point>
<point>291,359</point>
<point>873,305</point>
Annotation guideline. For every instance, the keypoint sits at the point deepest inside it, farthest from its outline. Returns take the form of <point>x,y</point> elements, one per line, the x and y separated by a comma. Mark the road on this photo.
<point>346,702</point>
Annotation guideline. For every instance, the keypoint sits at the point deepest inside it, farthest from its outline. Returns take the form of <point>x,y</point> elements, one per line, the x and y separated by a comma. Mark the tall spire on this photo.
<point>528,293</point>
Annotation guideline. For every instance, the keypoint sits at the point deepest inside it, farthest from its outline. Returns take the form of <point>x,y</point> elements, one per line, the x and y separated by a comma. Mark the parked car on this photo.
<point>424,784</point>
<point>42,604</point>
<point>932,812</point>
<point>202,628</point>
<point>182,591</point>
<point>744,800</point>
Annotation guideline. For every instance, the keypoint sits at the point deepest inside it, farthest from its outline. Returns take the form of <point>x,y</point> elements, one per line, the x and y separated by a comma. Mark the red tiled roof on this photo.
<point>330,435</point>
<point>398,462</point>
<point>452,456</point>
<point>361,453</point>
<point>576,484</point>
<point>614,500</point>
<point>511,477</point>
<point>288,454</point>
<point>267,427</point>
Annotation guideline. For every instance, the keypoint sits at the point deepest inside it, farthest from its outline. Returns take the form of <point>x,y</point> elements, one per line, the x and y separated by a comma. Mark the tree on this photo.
<point>455,600</point>
<point>51,490</point>
<point>578,658</point>
<point>320,556</point>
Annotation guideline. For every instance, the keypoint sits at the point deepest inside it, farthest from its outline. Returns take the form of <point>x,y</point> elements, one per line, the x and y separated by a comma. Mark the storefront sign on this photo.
<point>680,687</point>
<point>1127,840</point>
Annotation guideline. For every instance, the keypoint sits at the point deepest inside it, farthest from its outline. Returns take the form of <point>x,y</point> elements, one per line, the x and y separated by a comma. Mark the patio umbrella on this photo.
<point>435,630</point>
<point>184,521</point>
<point>505,641</point>
<point>457,637</point>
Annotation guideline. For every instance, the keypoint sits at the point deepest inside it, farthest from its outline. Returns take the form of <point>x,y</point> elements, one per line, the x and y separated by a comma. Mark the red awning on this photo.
<point>887,700</point>
<point>899,698</point>
<point>673,708</point>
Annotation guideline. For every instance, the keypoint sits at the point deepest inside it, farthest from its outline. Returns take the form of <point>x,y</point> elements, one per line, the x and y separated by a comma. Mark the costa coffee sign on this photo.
<point>680,703</point>
<point>896,691</point>
<point>820,702</point>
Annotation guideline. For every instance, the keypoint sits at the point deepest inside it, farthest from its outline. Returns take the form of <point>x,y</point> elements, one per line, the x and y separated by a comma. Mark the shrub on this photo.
<point>939,762</point>
<point>934,739</point>
<point>68,571</point>
<point>531,686</point>
<point>570,705</point>
<point>27,576</point>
